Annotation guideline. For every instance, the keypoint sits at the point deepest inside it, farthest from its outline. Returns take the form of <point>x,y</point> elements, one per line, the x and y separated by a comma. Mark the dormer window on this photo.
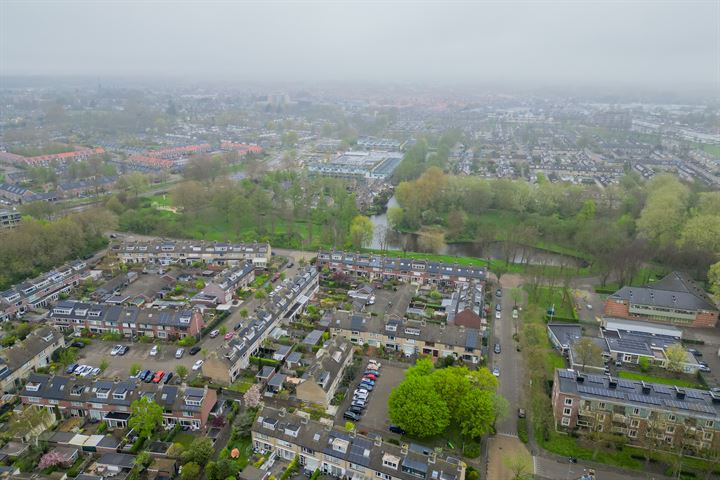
<point>390,461</point>
<point>193,401</point>
<point>120,395</point>
<point>102,393</point>
<point>62,310</point>
<point>33,386</point>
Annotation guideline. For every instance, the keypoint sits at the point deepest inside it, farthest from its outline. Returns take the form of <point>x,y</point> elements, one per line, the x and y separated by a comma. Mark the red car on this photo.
<point>370,376</point>
<point>229,335</point>
<point>158,376</point>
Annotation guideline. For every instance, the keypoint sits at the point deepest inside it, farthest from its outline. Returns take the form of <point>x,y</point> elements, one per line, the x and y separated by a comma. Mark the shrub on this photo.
<point>472,450</point>
<point>102,428</point>
<point>522,430</point>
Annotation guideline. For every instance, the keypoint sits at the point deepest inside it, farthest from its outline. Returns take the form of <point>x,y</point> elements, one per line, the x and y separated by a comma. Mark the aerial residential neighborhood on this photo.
<point>397,240</point>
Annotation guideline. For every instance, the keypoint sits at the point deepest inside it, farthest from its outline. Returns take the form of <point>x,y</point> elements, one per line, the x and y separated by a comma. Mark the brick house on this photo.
<point>675,299</point>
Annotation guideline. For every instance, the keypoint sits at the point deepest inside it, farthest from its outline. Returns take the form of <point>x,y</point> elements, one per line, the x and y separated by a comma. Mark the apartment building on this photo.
<point>675,299</point>
<point>20,360</point>
<point>110,401</point>
<point>411,337</point>
<point>43,290</point>
<point>72,315</point>
<point>378,267</point>
<point>9,219</point>
<point>223,286</point>
<point>647,414</point>
<point>281,306</point>
<point>185,252</point>
<point>321,379</point>
<point>344,454</point>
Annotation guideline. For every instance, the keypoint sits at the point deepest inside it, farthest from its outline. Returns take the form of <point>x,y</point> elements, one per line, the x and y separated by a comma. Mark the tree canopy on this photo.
<point>146,416</point>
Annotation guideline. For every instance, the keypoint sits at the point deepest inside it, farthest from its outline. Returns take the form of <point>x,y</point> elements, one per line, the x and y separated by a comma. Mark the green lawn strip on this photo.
<point>185,439</point>
<point>680,382</point>
<point>546,298</point>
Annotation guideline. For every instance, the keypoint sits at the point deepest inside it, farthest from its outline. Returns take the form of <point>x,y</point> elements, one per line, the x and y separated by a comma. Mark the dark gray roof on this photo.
<point>313,337</point>
<point>675,291</point>
<point>696,403</point>
<point>565,333</point>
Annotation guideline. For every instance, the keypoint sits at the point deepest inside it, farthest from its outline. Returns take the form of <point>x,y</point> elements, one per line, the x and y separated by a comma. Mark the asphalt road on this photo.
<point>509,361</point>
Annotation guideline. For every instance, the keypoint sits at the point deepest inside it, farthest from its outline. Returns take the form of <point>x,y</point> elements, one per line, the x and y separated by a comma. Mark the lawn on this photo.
<point>680,382</point>
<point>241,386</point>
<point>546,298</point>
<point>557,360</point>
<point>183,438</point>
<point>244,444</point>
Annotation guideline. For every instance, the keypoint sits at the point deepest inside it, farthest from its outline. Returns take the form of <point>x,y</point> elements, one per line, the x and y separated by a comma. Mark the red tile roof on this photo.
<point>242,148</point>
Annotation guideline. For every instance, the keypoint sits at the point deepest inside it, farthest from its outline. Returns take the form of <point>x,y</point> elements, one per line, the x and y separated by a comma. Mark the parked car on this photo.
<point>374,363</point>
<point>498,315</point>
<point>71,368</point>
<point>158,376</point>
<point>116,350</point>
<point>237,327</point>
<point>168,377</point>
<point>695,352</point>
<point>356,410</point>
<point>214,333</point>
<point>179,352</point>
<point>351,416</point>
<point>366,386</point>
<point>371,376</point>
<point>498,292</point>
<point>497,348</point>
<point>77,345</point>
<point>87,371</point>
<point>521,413</point>
<point>498,307</point>
<point>228,335</point>
<point>396,429</point>
<point>515,313</point>
<point>95,372</point>
<point>141,375</point>
<point>154,350</point>
<point>194,350</point>
<point>123,349</point>
<point>496,371</point>
<point>197,365</point>
<point>368,381</point>
<point>704,369</point>
<point>361,404</point>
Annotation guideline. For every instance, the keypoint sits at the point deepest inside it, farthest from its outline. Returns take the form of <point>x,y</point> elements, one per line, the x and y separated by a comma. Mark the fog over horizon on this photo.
<point>670,45</point>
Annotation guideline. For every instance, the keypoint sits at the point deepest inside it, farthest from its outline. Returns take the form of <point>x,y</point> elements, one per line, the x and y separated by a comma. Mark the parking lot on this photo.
<point>375,417</point>
<point>392,302</point>
<point>139,353</point>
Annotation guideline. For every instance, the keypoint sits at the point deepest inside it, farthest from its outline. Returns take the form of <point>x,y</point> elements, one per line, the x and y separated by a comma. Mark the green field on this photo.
<point>544,297</point>
<point>713,150</point>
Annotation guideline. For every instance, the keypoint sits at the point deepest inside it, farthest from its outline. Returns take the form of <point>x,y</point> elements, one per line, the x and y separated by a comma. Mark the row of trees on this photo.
<point>428,401</point>
<point>619,226</point>
<point>287,208</point>
<point>35,247</point>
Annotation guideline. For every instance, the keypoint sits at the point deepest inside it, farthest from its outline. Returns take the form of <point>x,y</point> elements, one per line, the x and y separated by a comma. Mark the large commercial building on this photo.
<point>647,414</point>
<point>342,454</point>
<point>379,267</point>
<point>284,304</point>
<point>675,299</point>
<point>368,165</point>
<point>185,252</point>
<point>110,401</point>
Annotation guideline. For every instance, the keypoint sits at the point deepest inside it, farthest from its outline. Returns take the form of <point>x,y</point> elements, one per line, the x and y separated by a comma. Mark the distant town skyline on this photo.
<point>663,45</point>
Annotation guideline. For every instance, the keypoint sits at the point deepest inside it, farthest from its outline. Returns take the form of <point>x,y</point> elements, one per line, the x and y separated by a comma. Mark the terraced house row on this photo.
<point>344,454</point>
<point>649,415</point>
<point>282,306</point>
<point>43,290</point>
<point>110,401</point>
<point>378,267</point>
<point>71,315</point>
<point>186,252</point>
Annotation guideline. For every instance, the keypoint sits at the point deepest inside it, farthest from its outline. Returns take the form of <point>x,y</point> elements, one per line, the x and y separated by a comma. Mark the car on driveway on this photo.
<point>197,365</point>
<point>214,333</point>
<point>496,371</point>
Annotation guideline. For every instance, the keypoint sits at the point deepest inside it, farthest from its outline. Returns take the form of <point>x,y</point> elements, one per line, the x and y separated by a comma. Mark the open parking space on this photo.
<point>139,353</point>
<point>375,417</point>
<point>392,302</point>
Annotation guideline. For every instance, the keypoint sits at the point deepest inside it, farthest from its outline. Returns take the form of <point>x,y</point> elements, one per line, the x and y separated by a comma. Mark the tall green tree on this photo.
<point>416,407</point>
<point>361,231</point>
<point>146,416</point>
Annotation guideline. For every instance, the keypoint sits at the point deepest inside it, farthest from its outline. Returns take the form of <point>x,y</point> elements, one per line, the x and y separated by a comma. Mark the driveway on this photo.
<point>139,353</point>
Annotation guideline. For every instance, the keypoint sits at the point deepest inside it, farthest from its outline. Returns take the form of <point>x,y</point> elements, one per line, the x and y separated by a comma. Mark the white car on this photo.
<point>498,315</point>
<point>154,350</point>
<point>374,364</point>
<point>86,371</point>
<point>116,350</point>
<point>515,314</point>
<point>179,352</point>
<point>95,372</point>
<point>496,371</point>
<point>214,333</point>
<point>198,365</point>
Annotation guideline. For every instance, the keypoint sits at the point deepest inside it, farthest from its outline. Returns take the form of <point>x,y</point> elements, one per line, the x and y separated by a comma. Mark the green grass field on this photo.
<point>546,298</point>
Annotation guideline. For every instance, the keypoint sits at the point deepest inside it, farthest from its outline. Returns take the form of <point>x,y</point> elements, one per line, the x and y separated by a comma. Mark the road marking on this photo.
<point>507,434</point>
<point>535,465</point>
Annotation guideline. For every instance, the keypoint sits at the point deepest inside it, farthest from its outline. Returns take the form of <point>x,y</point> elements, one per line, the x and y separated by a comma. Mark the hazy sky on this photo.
<point>658,44</point>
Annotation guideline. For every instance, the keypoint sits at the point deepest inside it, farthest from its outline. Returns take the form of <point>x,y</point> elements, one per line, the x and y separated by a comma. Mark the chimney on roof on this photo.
<point>645,387</point>
<point>378,441</point>
<point>612,383</point>
<point>580,378</point>
<point>715,397</point>
<point>679,393</point>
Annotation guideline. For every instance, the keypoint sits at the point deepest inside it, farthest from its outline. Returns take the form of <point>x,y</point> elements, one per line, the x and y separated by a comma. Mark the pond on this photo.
<point>516,254</point>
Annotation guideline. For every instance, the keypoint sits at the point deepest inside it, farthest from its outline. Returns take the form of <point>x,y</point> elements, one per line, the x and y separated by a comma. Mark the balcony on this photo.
<point>619,418</point>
